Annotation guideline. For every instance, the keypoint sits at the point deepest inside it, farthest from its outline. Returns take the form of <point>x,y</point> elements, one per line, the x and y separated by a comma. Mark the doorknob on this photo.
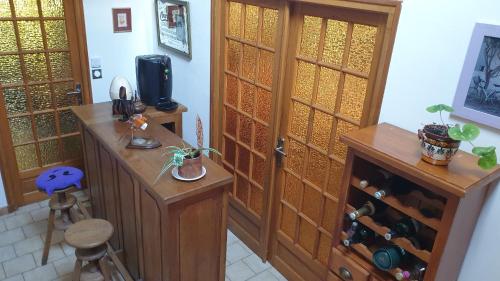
<point>279,150</point>
<point>77,92</point>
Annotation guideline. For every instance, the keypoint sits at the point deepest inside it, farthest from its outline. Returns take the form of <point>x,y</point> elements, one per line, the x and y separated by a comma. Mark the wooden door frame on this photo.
<point>9,170</point>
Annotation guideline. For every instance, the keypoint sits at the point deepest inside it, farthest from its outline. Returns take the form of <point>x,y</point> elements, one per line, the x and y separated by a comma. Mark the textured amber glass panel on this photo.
<point>255,203</point>
<point>335,37</point>
<point>8,38</point>
<point>233,56</point>
<point>317,168</point>
<point>261,138</point>
<point>353,97</point>
<point>231,117</point>
<point>243,160</point>
<point>61,91</point>
<point>335,177</point>
<point>5,9</point>
<point>20,129</point>
<point>10,69</point>
<point>15,100</point>
<point>30,34</point>
<point>293,190</point>
<point>26,8</point>
<point>232,90</point>
<point>258,168</point>
<point>328,88</point>
<point>311,204</point>
<point>61,65</point>
<point>67,122</point>
<point>322,127</point>
<point>295,156</point>
<point>235,19</point>
<point>229,151</point>
<point>265,75</point>
<point>300,120</point>
<point>329,215</point>
<point>362,46</point>
<point>45,125</point>
<point>339,148</point>
<point>36,67</point>
<point>305,81</point>
<point>72,147</point>
<point>242,187</point>
<point>288,222</point>
<point>247,97</point>
<point>249,61</point>
<point>26,157</point>
<point>263,105</point>
<point>310,37</point>
<point>251,22</point>
<point>52,8</point>
<point>324,247</point>
<point>41,98</point>
<point>307,235</point>
<point>56,34</point>
<point>245,132</point>
<point>49,152</point>
<point>269,25</point>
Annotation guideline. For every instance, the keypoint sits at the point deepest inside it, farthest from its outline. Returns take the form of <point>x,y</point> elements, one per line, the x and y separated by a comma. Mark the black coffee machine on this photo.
<point>154,81</point>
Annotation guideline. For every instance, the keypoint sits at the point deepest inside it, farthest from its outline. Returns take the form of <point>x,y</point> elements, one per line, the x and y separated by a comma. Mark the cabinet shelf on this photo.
<point>396,204</point>
<point>404,243</point>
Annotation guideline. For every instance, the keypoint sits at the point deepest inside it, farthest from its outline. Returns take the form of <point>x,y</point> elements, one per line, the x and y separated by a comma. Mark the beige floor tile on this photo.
<point>11,236</point>
<point>28,246</point>
<point>18,220</point>
<point>231,238</point>
<point>239,271</point>
<point>7,253</point>
<point>2,226</point>
<point>33,229</point>
<point>2,273</point>
<point>15,278</point>
<point>256,264</point>
<point>44,273</point>
<point>55,253</point>
<point>277,274</point>
<point>27,208</point>
<point>57,237</point>
<point>19,265</point>
<point>66,277</point>
<point>67,249</point>
<point>40,214</point>
<point>236,252</point>
<point>264,276</point>
<point>65,266</point>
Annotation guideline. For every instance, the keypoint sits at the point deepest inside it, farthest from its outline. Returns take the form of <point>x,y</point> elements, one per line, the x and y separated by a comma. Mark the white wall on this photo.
<point>429,52</point>
<point>3,198</point>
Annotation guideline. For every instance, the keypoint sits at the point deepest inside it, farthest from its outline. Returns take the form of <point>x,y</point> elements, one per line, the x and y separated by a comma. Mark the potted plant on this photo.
<point>440,142</point>
<point>188,160</point>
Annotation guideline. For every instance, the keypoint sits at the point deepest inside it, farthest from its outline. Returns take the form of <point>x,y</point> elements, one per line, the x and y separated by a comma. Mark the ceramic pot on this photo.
<point>191,168</point>
<point>436,148</point>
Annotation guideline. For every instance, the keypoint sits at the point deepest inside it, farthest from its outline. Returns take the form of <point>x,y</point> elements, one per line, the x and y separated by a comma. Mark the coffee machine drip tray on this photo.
<point>167,105</point>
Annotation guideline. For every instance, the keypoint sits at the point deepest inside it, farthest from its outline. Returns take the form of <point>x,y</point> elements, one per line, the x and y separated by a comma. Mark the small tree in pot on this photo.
<point>440,142</point>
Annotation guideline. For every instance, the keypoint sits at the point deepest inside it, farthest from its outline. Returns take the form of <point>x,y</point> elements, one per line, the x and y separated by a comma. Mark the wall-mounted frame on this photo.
<point>122,20</point>
<point>478,93</point>
<point>174,27</point>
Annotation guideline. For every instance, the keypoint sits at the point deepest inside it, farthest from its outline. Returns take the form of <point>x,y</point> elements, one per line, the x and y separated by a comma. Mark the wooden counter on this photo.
<point>171,230</point>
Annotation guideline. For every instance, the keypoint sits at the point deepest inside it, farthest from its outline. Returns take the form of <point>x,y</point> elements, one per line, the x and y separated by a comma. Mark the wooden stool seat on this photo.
<point>87,234</point>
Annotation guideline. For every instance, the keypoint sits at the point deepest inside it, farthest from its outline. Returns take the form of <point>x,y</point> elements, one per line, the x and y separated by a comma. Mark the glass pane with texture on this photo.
<point>49,152</point>
<point>229,151</point>
<point>45,125</point>
<point>339,148</point>
<point>68,122</point>
<point>304,82</point>
<point>293,190</point>
<point>231,117</point>
<point>52,8</point>
<point>251,22</point>
<point>354,96</point>
<point>61,65</point>
<point>295,157</point>
<point>36,67</point>
<point>243,160</point>
<point>26,8</point>
<point>310,37</point>
<point>5,11</point>
<point>317,168</point>
<point>261,140</point>
<point>72,147</point>
<point>20,129</point>
<point>30,34</point>
<point>233,56</point>
<point>232,90</point>
<point>322,127</point>
<point>263,105</point>
<point>26,157</point>
<point>249,61</point>
<point>247,97</point>
<point>258,167</point>
<point>56,34</point>
<point>41,98</point>
<point>245,133</point>
<point>327,88</point>
<point>269,25</point>
<point>8,39</point>
<point>299,120</point>
<point>10,70</point>
<point>15,100</point>
<point>265,75</point>
<point>235,19</point>
<point>61,91</point>
<point>335,37</point>
<point>362,46</point>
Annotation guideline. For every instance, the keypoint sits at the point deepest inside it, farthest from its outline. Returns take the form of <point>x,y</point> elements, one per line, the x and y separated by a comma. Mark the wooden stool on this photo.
<point>89,237</point>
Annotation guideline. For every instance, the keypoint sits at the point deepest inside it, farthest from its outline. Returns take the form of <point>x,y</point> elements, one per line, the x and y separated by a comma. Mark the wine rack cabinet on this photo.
<point>455,194</point>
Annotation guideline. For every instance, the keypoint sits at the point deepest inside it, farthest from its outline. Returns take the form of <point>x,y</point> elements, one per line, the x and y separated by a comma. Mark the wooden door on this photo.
<point>41,66</point>
<point>333,62</point>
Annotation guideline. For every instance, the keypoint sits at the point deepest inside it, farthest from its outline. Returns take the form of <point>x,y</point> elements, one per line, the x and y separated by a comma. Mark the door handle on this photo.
<point>280,150</point>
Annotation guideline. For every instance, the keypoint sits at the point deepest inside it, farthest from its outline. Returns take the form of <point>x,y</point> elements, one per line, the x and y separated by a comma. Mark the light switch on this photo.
<point>96,73</point>
<point>95,62</point>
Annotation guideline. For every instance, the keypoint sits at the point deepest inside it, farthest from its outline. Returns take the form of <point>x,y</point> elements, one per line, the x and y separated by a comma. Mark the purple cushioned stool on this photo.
<point>56,182</point>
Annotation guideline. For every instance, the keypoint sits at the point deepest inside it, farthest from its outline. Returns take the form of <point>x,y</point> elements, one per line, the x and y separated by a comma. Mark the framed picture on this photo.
<point>122,20</point>
<point>174,30</point>
<point>478,92</point>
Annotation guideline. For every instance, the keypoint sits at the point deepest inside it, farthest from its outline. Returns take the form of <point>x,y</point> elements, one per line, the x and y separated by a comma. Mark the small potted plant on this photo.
<point>188,160</point>
<point>440,142</point>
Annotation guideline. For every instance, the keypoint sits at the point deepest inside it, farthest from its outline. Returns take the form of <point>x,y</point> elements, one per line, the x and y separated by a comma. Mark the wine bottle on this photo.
<point>415,273</point>
<point>405,227</point>
<point>377,179</point>
<point>389,257</point>
<point>397,187</point>
<point>352,229</point>
<point>368,209</point>
<point>362,234</point>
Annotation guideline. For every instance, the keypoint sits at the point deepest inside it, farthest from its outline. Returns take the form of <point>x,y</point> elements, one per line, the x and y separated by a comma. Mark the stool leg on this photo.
<point>77,270</point>
<point>48,238</point>
<point>105,269</point>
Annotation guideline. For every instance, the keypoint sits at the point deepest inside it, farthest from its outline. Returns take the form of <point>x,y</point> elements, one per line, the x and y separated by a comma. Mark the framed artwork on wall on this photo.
<point>478,92</point>
<point>122,20</point>
<point>174,29</point>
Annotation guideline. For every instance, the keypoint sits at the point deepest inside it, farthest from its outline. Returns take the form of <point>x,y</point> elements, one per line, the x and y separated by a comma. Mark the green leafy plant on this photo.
<point>468,132</point>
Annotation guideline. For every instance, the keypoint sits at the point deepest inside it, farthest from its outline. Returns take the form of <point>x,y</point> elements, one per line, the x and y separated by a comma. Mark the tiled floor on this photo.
<point>21,242</point>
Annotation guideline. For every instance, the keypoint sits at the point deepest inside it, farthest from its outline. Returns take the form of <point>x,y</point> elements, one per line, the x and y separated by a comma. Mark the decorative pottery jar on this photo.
<point>437,149</point>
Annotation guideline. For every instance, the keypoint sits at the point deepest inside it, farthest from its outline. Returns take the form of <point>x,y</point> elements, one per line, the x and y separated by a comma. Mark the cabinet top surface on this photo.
<point>401,149</point>
<point>146,164</point>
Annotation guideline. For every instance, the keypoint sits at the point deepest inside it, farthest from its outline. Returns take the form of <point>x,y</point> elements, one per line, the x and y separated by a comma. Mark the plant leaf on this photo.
<point>481,151</point>
<point>456,133</point>
<point>488,160</point>
<point>470,132</point>
<point>439,107</point>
